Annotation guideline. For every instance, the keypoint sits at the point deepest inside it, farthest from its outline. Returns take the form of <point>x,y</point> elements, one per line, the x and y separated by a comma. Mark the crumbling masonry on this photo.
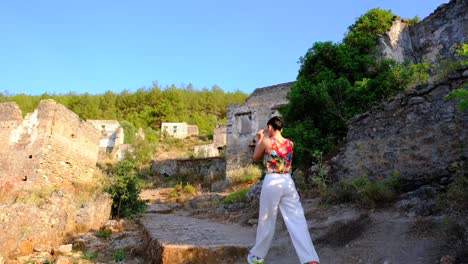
<point>243,123</point>
<point>50,145</point>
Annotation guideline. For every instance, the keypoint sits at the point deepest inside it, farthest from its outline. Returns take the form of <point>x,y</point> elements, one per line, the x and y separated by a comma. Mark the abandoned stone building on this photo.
<point>112,139</point>
<point>216,148</point>
<point>51,139</point>
<point>49,149</point>
<point>179,130</point>
<point>244,121</point>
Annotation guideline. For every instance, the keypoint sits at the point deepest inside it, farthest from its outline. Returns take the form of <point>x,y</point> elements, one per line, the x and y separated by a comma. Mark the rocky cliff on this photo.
<point>48,183</point>
<point>427,41</point>
<point>419,135</point>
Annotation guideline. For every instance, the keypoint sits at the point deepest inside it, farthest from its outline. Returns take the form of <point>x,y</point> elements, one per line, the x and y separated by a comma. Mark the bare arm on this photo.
<point>259,151</point>
<point>260,147</point>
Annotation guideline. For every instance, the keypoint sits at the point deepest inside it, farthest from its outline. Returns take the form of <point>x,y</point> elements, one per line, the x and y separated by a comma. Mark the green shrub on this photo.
<point>143,152</point>
<point>90,256</point>
<point>129,132</point>
<point>363,192</point>
<point>189,189</point>
<point>341,192</point>
<point>462,94</point>
<point>236,197</point>
<point>364,32</point>
<point>144,184</point>
<point>375,195</point>
<point>105,233</point>
<point>119,256</point>
<point>462,53</point>
<point>174,194</point>
<point>125,191</point>
<point>151,135</point>
<point>413,21</point>
<point>456,197</point>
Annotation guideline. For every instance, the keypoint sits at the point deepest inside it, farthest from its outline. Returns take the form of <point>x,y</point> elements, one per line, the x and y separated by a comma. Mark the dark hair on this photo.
<point>276,122</point>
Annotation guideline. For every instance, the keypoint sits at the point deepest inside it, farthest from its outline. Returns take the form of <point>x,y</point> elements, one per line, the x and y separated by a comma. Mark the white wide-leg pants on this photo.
<point>279,190</point>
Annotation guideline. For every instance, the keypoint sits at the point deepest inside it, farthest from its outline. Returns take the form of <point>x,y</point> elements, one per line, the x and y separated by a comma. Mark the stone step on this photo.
<point>174,239</point>
<point>159,209</point>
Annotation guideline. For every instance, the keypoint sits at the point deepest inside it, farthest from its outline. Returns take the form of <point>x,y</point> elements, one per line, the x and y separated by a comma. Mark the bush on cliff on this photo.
<point>461,93</point>
<point>125,191</point>
<point>337,81</point>
<point>363,192</point>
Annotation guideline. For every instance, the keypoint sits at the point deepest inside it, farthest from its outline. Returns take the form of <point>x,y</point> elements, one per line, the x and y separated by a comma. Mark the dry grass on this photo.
<point>88,191</point>
<point>38,196</point>
<point>174,148</point>
<point>249,174</point>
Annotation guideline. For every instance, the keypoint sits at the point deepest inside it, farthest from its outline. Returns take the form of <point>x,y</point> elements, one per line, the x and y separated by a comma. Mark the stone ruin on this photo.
<point>112,139</point>
<point>216,148</point>
<point>49,155</point>
<point>50,145</point>
<point>179,130</point>
<point>435,37</point>
<point>243,123</point>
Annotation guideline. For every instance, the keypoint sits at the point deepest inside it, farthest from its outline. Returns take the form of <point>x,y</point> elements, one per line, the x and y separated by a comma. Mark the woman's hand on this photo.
<point>260,135</point>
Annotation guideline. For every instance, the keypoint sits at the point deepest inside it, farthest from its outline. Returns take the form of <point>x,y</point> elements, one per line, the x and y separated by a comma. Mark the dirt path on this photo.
<point>342,234</point>
<point>383,237</point>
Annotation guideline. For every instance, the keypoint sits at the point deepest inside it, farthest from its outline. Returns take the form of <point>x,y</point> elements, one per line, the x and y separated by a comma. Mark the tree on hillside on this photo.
<point>337,81</point>
<point>146,107</point>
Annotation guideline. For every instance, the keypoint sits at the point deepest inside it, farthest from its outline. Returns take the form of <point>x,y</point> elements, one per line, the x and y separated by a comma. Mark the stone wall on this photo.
<point>112,135</point>
<point>192,130</point>
<point>243,123</point>
<point>179,130</point>
<point>111,141</point>
<point>216,148</point>
<point>204,171</point>
<point>47,163</point>
<point>435,36</point>
<point>51,145</point>
<point>420,136</point>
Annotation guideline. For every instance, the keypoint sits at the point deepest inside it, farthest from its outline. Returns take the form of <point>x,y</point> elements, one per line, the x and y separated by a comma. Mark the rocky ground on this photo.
<point>204,230</point>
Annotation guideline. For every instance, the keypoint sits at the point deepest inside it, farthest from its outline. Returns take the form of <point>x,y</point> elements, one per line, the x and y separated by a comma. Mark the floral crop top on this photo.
<point>279,158</point>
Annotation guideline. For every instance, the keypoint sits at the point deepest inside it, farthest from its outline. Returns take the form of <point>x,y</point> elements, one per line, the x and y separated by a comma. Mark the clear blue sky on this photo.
<point>58,46</point>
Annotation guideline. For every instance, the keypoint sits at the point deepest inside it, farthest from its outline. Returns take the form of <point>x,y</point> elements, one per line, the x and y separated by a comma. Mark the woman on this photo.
<point>278,190</point>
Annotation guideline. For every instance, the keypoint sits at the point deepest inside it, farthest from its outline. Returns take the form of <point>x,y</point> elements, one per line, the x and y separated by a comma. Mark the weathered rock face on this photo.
<point>428,40</point>
<point>203,171</point>
<point>48,223</point>
<point>243,123</point>
<point>420,135</point>
<point>50,146</point>
<point>47,168</point>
